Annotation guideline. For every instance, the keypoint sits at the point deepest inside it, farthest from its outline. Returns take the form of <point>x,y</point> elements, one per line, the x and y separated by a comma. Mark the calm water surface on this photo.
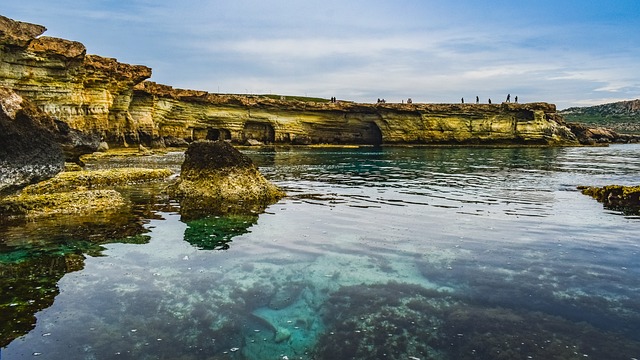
<point>392,253</point>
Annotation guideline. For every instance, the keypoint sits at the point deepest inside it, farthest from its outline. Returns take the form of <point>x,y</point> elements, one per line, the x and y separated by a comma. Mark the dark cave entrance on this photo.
<point>259,131</point>
<point>372,134</point>
<point>218,134</point>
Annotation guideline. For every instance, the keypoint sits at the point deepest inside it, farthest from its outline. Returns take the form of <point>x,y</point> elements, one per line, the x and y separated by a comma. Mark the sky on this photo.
<point>566,52</point>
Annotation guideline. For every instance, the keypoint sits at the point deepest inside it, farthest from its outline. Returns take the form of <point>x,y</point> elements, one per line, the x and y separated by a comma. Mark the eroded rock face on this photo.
<point>28,150</point>
<point>96,94</point>
<point>193,115</point>
<point>33,145</point>
<point>217,179</point>
<point>87,92</point>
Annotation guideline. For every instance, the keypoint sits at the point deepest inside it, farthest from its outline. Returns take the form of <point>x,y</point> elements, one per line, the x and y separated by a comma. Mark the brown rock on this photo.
<point>18,33</point>
<point>58,47</point>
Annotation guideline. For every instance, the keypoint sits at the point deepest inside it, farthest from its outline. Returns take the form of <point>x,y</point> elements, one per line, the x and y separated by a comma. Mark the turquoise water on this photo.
<point>391,253</point>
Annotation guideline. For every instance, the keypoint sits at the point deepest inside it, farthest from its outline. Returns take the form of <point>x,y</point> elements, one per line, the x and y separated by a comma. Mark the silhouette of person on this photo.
<point>462,100</point>
<point>508,97</point>
<point>516,99</point>
<point>477,100</point>
<point>489,101</point>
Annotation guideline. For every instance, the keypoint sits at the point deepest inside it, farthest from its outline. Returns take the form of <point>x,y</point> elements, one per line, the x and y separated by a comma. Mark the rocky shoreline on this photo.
<point>57,103</point>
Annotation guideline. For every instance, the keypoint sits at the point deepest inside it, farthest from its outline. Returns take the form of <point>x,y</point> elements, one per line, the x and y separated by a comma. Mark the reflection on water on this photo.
<point>393,253</point>
<point>215,232</point>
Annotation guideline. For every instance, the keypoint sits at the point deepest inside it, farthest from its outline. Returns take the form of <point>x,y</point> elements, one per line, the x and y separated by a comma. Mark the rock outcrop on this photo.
<point>87,92</point>
<point>218,179</point>
<point>96,94</point>
<point>28,149</point>
<point>616,197</point>
<point>592,135</point>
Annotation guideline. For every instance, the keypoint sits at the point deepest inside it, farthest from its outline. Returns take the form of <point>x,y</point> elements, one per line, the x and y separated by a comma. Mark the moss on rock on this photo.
<point>78,202</point>
<point>616,197</point>
<point>217,178</point>
<point>75,180</point>
<point>77,192</point>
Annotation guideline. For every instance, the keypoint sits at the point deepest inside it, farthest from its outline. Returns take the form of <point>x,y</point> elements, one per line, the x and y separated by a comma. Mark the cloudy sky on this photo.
<point>568,52</point>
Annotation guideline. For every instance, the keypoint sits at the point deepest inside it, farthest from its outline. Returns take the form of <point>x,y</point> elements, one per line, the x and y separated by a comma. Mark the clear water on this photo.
<point>392,253</point>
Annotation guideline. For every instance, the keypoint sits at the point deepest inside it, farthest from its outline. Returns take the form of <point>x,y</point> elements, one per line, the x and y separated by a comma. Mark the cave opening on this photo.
<point>218,134</point>
<point>262,132</point>
<point>372,134</point>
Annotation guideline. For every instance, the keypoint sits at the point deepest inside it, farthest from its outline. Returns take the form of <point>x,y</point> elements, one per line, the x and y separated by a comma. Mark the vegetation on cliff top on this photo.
<point>623,116</point>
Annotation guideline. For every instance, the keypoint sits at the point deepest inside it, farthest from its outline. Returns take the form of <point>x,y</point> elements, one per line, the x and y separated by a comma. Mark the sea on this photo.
<point>375,253</point>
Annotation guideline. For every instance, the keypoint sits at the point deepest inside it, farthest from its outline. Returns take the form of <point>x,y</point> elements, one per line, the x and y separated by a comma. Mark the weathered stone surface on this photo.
<point>77,192</point>
<point>28,150</point>
<point>88,92</point>
<point>49,46</point>
<point>616,197</point>
<point>216,179</point>
<point>18,33</point>
<point>193,115</point>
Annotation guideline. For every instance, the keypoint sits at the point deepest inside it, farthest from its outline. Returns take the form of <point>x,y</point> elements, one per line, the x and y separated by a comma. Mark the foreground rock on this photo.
<point>616,197</point>
<point>217,178</point>
<point>77,192</point>
<point>28,150</point>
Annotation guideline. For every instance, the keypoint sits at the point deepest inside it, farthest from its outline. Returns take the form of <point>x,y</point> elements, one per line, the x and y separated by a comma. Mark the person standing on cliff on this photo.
<point>477,100</point>
<point>489,101</point>
<point>462,100</point>
<point>508,97</point>
<point>516,99</point>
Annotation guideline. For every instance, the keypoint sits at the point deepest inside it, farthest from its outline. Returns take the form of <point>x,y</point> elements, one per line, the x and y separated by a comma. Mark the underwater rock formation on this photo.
<point>96,94</point>
<point>616,197</point>
<point>406,321</point>
<point>217,179</point>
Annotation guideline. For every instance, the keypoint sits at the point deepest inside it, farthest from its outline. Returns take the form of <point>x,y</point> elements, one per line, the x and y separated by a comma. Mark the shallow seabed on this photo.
<point>390,253</point>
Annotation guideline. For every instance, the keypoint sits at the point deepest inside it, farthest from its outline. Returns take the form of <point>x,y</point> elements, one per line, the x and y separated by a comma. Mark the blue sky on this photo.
<point>571,53</point>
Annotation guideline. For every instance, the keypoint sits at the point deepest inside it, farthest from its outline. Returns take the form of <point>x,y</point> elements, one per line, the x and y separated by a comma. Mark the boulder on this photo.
<point>34,145</point>
<point>28,149</point>
<point>216,178</point>
<point>616,197</point>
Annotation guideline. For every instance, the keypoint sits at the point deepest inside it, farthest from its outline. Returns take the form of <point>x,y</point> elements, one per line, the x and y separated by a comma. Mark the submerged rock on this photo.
<point>616,197</point>
<point>217,178</point>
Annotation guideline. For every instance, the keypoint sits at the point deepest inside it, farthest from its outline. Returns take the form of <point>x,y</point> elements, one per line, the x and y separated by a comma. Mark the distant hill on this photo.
<point>623,116</point>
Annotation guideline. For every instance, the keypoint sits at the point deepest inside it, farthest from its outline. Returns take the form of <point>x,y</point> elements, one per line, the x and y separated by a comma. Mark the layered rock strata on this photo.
<point>96,94</point>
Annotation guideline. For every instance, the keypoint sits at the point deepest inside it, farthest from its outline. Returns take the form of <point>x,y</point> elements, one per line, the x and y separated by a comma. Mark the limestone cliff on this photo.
<point>96,94</point>
<point>88,92</point>
<point>197,115</point>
